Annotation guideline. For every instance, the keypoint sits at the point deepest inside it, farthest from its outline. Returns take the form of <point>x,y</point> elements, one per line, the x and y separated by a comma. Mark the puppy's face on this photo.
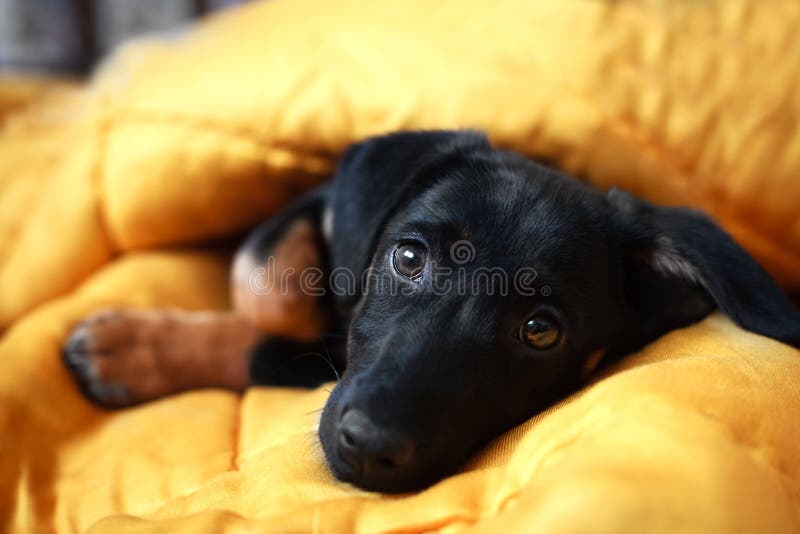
<point>493,288</point>
<point>485,299</point>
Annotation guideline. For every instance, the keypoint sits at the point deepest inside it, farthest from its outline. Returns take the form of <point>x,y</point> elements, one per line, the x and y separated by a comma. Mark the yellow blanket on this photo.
<point>115,192</point>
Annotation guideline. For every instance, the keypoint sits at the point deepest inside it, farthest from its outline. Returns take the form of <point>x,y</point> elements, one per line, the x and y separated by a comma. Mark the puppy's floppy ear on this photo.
<point>375,175</point>
<point>680,265</point>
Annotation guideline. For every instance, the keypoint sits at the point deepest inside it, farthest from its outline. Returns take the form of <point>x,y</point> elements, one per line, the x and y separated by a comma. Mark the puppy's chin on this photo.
<point>399,483</point>
<point>409,480</point>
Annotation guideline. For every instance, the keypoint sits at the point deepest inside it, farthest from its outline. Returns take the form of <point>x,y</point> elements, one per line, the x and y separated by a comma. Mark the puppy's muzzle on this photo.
<point>371,451</point>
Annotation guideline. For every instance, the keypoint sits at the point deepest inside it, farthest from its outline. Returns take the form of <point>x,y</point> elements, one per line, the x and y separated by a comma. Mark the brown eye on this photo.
<point>540,332</point>
<point>409,260</point>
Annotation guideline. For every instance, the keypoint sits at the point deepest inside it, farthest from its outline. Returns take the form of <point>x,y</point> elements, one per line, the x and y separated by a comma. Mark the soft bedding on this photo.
<point>131,189</point>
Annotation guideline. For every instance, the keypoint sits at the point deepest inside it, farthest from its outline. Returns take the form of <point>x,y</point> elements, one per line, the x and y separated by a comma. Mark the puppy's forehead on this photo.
<point>520,209</point>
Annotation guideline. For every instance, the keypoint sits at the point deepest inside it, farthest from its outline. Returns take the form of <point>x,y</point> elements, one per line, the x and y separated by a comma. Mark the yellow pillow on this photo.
<point>191,140</point>
<point>697,433</point>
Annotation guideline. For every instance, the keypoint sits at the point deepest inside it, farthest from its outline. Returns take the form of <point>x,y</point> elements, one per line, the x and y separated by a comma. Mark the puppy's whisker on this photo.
<point>321,357</point>
<point>310,439</point>
<point>329,358</point>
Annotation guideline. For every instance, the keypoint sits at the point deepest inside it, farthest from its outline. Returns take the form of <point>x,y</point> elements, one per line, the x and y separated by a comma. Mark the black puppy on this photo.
<point>460,289</point>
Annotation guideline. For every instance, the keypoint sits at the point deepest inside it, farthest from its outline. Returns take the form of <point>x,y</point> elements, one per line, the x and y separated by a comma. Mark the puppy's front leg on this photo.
<point>124,357</point>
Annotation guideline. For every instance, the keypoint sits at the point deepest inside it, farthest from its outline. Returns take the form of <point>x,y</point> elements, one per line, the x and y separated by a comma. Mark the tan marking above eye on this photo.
<point>592,362</point>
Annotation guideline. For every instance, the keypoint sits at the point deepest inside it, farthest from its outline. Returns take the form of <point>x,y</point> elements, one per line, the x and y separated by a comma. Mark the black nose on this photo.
<point>369,449</point>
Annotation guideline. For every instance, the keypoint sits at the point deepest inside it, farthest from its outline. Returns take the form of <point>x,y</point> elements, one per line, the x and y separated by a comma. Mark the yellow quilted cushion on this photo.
<point>103,188</point>
<point>698,433</point>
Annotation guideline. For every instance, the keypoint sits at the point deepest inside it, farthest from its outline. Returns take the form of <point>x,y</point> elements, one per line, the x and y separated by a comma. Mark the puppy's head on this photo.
<point>493,285</point>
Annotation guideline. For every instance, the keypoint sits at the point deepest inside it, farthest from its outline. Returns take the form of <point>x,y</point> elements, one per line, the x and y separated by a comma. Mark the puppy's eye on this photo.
<point>540,332</point>
<point>409,260</point>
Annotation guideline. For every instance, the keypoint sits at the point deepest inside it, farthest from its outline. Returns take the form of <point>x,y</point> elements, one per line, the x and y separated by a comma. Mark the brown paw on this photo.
<point>125,357</point>
<point>109,357</point>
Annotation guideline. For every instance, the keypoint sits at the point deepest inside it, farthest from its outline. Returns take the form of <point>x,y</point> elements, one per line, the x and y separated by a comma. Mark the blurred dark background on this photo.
<point>69,36</point>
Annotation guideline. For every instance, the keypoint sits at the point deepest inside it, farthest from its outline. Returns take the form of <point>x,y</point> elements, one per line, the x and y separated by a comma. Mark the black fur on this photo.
<point>430,374</point>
